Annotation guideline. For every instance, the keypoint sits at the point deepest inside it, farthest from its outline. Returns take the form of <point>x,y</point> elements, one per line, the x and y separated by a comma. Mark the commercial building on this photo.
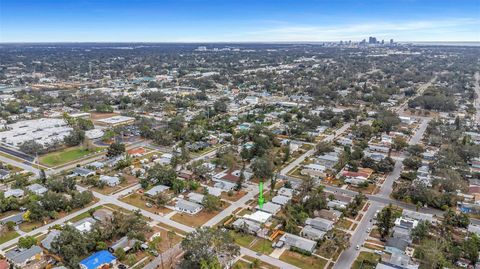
<point>43,131</point>
<point>116,121</point>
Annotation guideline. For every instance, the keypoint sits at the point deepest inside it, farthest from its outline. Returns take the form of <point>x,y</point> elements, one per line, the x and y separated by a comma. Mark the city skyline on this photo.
<point>238,21</point>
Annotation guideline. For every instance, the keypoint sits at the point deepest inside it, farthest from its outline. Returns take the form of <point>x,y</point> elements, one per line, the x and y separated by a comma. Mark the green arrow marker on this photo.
<point>261,200</point>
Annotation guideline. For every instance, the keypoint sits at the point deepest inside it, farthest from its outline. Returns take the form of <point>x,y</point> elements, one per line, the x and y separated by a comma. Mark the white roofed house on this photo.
<point>110,181</point>
<point>314,170</point>
<point>188,207</point>
<point>247,226</point>
<point>84,225</point>
<point>195,197</point>
<point>37,189</point>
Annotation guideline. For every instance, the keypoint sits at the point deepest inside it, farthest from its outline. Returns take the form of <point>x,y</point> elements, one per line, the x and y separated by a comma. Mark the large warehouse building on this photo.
<point>44,131</point>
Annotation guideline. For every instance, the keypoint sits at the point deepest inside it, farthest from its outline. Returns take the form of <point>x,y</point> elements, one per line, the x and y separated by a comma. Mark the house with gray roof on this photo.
<point>4,174</point>
<point>281,200</point>
<point>269,207</point>
<point>187,207</point>
<point>17,219</point>
<point>37,189</point>
<point>124,243</point>
<point>311,233</point>
<point>21,257</point>
<point>155,190</point>
<point>320,224</point>
<point>83,172</point>
<point>296,241</point>
<point>17,193</point>
<point>195,197</point>
<point>246,225</point>
<point>47,242</point>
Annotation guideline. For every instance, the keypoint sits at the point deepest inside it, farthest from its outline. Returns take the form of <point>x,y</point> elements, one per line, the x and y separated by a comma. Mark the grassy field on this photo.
<point>8,236</point>
<point>66,155</point>
<point>302,261</point>
<point>366,260</point>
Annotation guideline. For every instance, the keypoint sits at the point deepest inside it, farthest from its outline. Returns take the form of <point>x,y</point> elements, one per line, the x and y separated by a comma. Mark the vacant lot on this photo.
<point>302,261</point>
<point>366,260</point>
<point>66,155</point>
<point>140,201</point>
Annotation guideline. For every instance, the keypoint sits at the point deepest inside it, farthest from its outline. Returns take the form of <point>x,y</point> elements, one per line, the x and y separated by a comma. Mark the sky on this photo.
<point>238,20</point>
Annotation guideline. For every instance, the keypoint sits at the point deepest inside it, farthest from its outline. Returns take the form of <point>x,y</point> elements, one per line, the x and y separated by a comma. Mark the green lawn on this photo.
<point>8,236</point>
<point>262,246</point>
<point>66,155</point>
<point>302,261</point>
<point>243,240</point>
<point>366,260</point>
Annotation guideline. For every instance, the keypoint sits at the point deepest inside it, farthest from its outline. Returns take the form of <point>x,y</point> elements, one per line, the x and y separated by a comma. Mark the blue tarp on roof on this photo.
<point>97,259</point>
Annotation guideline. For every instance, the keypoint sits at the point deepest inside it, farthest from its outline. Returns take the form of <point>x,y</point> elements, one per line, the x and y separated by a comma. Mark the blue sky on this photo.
<point>237,20</point>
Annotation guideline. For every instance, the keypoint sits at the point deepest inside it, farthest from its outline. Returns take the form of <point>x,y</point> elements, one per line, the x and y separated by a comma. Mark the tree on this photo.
<point>399,143</point>
<point>161,199</point>
<point>420,232</point>
<point>75,137</point>
<point>207,244</point>
<point>263,168</point>
<point>211,202</point>
<point>120,254</point>
<point>430,252</point>
<point>31,147</point>
<point>115,149</point>
<point>471,247</point>
<point>72,245</point>
<point>240,180</point>
<point>385,221</point>
<point>27,241</point>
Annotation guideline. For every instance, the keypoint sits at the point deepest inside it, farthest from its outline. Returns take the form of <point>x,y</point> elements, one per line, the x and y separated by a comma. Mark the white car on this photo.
<point>357,247</point>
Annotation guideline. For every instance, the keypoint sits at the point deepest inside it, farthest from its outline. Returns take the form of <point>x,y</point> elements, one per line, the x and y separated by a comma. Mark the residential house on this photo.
<point>110,181</point>
<point>195,197</point>
<point>155,190</point>
<point>311,233</point>
<point>98,260</point>
<point>124,243</point>
<point>83,172</point>
<point>103,215</point>
<point>37,189</point>
<point>281,200</point>
<point>246,225</point>
<point>17,219</point>
<point>298,242</point>
<point>330,214</point>
<point>4,174</point>
<point>17,193</point>
<point>84,225</point>
<point>320,224</point>
<point>188,207</point>
<point>22,257</point>
<point>285,192</point>
<point>47,241</point>
<point>269,207</point>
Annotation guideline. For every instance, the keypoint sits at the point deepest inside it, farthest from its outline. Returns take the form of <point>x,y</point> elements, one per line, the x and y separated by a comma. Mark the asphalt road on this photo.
<point>477,90</point>
<point>349,255</point>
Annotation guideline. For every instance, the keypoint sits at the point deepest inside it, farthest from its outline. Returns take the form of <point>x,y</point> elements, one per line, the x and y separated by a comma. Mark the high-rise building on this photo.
<point>372,40</point>
<point>391,41</point>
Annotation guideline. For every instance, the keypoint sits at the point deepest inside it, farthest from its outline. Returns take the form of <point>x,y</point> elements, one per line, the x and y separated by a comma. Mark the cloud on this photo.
<point>438,29</point>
